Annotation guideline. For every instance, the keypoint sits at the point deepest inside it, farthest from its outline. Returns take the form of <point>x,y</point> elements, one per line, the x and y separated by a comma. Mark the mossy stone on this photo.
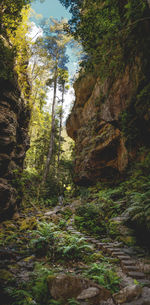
<point>128,240</point>
<point>5,275</point>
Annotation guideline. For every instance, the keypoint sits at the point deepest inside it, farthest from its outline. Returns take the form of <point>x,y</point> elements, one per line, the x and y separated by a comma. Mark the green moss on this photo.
<point>97,256</point>
<point>134,120</point>
<point>105,275</point>
<point>90,218</point>
<point>128,240</point>
<point>142,104</point>
<point>28,224</point>
<point>50,279</point>
<point>6,60</point>
<point>6,275</point>
<point>67,213</point>
<point>113,229</point>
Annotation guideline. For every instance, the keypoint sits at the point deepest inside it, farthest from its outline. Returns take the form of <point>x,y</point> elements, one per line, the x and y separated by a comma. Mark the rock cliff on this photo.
<point>14,119</point>
<point>109,123</point>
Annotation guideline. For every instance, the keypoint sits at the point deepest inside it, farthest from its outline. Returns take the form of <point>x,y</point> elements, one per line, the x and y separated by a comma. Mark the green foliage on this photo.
<point>67,213</point>
<point>55,302</point>
<point>75,248</point>
<point>45,230</point>
<point>143,101</point>
<point>10,14</point>
<point>62,224</point>
<point>44,239</point>
<point>40,288</point>
<point>105,28</point>
<point>73,302</point>
<point>90,217</point>
<point>134,120</point>
<point>94,216</point>
<point>14,43</point>
<point>49,240</point>
<point>6,61</point>
<point>27,183</point>
<point>35,291</point>
<point>139,210</point>
<point>21,297</point>
<point>104,275</point>
<point>130,198</point>
<point>83,192</point>
<point>134,9</point>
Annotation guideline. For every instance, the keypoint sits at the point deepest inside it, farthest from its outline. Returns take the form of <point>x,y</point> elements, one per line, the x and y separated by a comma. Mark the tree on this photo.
<point>22,45</point>
<point>39,73</point>
<point>55,42</point>
<point>10,19</point>
<point>63,87</point>
<point>10,15</point>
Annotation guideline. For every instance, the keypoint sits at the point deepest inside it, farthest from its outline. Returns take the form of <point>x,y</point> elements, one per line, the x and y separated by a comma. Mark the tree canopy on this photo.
<point>105,27</point>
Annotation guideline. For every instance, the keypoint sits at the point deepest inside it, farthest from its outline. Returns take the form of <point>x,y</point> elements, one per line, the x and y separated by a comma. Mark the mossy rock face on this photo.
<point>28,224</point>
<point>6,276</point>
<point>14,117</point>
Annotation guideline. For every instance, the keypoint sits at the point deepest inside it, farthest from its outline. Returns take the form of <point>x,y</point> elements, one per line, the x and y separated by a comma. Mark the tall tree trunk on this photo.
<point>52,137</point>
<point>60,125</point>
<point>148,3</point>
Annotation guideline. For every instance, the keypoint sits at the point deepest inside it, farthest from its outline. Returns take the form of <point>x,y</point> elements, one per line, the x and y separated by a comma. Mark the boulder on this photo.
<point>128,294</point>
<point>67,287</point>
<point>88,293</point>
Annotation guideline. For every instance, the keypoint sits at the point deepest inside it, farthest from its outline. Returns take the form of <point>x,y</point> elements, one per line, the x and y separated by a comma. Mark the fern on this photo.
<point>21,297</point>
<point>73,302</point>
<point>105,275</point>
<point>139,210</point>
<point>75,248</point>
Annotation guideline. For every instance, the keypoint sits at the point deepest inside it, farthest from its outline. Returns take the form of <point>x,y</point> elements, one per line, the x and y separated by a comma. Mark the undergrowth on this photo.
<point>130,198</point>
<point>50,241</point>
<point>105,275</point>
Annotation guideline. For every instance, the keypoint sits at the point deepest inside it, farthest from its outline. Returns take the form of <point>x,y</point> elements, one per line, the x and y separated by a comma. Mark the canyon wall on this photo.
<point>14,141</point>
<point>109,123</point>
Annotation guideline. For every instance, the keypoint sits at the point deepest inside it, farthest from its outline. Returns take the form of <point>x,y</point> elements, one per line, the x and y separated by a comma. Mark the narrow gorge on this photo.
<point>75,192</point>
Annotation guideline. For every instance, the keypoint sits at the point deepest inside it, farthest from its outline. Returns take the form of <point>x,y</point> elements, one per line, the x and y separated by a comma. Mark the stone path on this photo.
<point>129,267</point>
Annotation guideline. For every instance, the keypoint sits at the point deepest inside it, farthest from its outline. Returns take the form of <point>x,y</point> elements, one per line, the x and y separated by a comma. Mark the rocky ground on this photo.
<point>31,274</point>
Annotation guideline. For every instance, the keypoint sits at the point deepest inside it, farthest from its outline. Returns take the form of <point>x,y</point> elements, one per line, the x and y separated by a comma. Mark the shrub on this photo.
<point>75,248</point>
<point>44,239</point>
<point>139,209</point>
<point>104,274</point>
<point>90,217</point>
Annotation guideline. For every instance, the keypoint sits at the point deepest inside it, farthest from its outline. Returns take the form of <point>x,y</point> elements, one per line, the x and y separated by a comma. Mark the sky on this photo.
<point>53,8</point>
<point>50,8</point>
